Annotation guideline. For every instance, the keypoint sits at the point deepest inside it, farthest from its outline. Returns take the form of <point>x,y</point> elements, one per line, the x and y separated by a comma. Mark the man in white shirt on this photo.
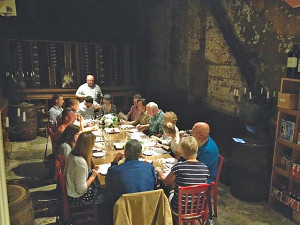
<point>87,108</point>
<point>56,109</point>
<point>89,89</point>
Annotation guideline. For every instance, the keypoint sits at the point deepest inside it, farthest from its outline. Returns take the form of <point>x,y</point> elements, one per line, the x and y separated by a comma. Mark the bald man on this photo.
<point>208,152</point>
<point>89,89</point>
<point>156,120</point>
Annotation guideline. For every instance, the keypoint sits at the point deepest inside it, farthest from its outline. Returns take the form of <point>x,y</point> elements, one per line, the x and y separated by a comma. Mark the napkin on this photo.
<point>126,126</point>
<point>103,168</point>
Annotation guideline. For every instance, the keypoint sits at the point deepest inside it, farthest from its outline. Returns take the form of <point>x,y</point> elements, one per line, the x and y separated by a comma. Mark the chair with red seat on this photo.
<point>85,214</point>
<point>197,211</point>
<point>215,189</point>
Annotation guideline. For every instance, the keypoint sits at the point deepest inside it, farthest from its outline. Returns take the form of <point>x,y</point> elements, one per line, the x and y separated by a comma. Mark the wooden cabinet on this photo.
<point>285,180</point>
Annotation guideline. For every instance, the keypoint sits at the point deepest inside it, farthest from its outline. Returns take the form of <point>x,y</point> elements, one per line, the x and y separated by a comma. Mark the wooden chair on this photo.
<point>215,189</point>
<point>85,214</point>
<point>197,211</point>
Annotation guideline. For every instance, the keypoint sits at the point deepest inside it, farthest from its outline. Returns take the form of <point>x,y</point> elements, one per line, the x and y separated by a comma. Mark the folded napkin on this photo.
<point>103,168</point>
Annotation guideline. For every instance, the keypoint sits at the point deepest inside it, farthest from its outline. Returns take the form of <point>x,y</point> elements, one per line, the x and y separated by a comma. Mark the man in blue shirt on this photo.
<point>208,152</point>
<point>132,175</point>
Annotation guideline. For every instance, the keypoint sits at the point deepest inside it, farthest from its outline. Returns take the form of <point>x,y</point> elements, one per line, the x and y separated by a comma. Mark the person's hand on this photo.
<point>157,145</point>
<point>79,117</point>
<point>94,173</point>
<point>118,157</point>
<point>94,128</point>
<point>158,170</point>
<point>96,167</point>
<point>122,121</point>
<point>181,134</point>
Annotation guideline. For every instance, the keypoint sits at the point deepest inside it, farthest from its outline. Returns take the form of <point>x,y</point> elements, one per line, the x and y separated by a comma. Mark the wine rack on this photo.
<point>41,64</point>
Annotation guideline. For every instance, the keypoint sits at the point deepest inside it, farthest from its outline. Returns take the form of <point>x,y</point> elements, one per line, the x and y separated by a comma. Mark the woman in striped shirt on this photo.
<point>187,173</point>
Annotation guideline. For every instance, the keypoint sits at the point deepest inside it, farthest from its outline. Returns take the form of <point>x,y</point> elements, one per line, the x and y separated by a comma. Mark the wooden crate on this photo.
<point>289,101</point>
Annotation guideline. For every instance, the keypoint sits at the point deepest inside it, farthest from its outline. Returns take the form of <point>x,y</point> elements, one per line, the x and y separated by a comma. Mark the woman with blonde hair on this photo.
<point>189,172</point>
<point>172,133</point>
<point>79,175</point>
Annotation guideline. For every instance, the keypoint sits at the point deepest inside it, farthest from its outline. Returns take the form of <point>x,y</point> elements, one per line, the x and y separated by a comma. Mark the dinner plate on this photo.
<point>97,132</point>
<point>98,139</point>
<point>134,130</point>
<point>112,130</point>
<point>119,145</point>
<point>126,126</point>
<point>98,154</point>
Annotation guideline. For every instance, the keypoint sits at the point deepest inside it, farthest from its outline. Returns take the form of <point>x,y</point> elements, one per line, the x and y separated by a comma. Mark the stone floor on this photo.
<point>25,164</point>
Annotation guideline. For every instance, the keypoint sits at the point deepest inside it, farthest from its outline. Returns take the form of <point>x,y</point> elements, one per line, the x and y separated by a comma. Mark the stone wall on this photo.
<point>188,54</point>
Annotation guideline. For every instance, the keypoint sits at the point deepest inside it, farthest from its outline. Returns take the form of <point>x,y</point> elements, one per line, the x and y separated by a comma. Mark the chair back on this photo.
<point>62,185</point>
<point>221,160</point>
<point>61,160</point>
<point>145,208</point>
<point>193,203</point>
<point>54,135</point>
<point>215,189</point>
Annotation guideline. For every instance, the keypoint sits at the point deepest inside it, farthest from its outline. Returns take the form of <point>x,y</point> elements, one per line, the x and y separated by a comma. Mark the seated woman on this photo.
<point>189,172</point>
<point>67,140</point>
<point>168,117</point>
<point>143,117</point>
<point>79,183</point>
<point>107,107</point>
<point>171,132</point>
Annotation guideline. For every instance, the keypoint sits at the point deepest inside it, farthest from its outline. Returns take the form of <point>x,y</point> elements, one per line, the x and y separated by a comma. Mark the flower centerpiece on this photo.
<point>109,120</point>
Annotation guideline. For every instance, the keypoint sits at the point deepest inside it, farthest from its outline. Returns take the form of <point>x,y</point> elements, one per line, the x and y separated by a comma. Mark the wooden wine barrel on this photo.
<point>251,171</point>
<point>20,205</point>
<point>23,125</point>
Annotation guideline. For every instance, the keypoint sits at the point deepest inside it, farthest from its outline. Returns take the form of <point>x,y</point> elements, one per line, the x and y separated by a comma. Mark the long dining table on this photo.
<point>111,141</point>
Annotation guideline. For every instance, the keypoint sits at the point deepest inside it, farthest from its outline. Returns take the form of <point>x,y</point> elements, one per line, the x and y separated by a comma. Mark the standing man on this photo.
<point>131,176</point>
<point>208,151</point>
<point>89,89</point>
<point>56,109</point>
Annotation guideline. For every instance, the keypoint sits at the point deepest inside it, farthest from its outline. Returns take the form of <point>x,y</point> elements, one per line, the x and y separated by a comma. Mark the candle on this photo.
<point>237,92</point>
<point>234,90</point>
<point>250,95</point>
<point>274,94</point>
<point>7,122</point>
<point>261,90</point>
<point>24,116</point>
<point>19,112</point>
<point>245,90</point>
<point>268,95</point>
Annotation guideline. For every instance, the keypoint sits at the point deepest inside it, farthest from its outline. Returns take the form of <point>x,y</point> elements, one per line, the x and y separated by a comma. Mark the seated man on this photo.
<point>156,120</point>
<point>68,117</point>
<point>208,152</point>
<point>132,175</point>
<point>143,117</point>
<point>72,104</point>
<point>87,108</point>
<point>134,112</point>
<point>56,109</point>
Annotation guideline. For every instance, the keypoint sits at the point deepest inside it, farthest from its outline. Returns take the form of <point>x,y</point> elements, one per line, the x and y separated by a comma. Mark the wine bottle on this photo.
<point>292,62</point>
